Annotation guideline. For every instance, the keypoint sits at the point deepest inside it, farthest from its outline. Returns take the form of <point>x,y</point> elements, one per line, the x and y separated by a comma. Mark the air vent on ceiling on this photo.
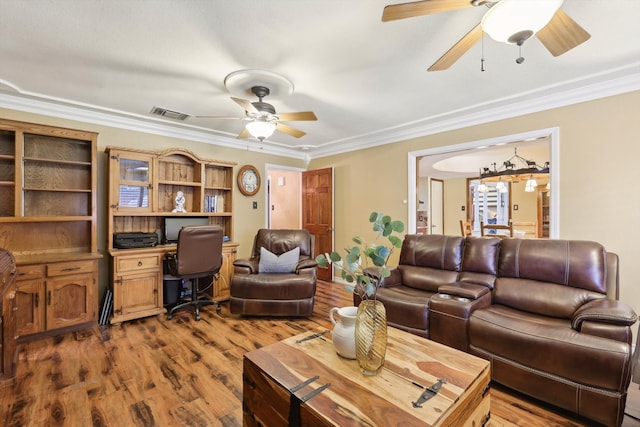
<point>158,111</point>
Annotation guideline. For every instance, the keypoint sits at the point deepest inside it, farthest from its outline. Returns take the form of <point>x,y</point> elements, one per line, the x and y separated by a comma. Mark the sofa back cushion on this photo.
<point>550,277</point>
<point>428,261</point>
<point>281,241</point>
<point>480,261</point>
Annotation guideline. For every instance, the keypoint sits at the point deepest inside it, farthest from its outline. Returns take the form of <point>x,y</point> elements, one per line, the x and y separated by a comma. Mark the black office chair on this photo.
<point>198,256</point>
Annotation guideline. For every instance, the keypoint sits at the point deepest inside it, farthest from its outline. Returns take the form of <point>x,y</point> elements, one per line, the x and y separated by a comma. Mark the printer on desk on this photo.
<point>134,240</point>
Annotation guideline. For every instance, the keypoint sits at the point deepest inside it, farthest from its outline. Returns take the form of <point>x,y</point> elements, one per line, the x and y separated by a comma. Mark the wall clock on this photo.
<point>248,180</point>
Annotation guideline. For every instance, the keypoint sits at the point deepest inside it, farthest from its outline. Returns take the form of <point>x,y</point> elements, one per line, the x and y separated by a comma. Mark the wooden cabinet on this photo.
<point>54,296</point>
<point>137,285</point>
<point>48,220</point>
<point>142,192</point>
<point>221,291</point>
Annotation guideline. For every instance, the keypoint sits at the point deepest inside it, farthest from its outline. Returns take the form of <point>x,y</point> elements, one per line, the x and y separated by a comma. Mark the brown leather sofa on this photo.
<point>544,312</point>
<point>259,293</point>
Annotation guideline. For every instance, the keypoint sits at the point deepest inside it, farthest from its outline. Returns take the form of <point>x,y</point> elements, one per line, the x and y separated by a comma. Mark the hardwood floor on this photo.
<point>159,372</point>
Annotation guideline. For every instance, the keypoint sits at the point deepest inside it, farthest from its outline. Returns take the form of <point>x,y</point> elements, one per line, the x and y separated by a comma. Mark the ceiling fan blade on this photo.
<point>419,8</point>
<point>457,50</point>
<point>562,34</point>
<point>244,134</point>
<point>246,105</point>
<point>290,130</point>
<point>296,117</point>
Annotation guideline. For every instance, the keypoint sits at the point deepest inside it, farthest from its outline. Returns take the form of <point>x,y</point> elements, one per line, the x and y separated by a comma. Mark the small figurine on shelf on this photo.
<point>179,203</point>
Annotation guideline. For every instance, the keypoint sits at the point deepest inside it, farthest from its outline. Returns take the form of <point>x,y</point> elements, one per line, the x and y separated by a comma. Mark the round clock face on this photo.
<point>248,180</point>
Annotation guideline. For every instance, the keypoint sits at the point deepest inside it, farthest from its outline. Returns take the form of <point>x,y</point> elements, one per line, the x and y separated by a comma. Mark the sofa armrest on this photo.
<point>246,266</point>
<point>464,290</point>
<point>306,266</point>
<point>604,310</point>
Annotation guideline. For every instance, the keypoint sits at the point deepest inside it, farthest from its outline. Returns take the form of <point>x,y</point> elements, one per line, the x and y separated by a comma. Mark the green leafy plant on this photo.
<point>364,260</point>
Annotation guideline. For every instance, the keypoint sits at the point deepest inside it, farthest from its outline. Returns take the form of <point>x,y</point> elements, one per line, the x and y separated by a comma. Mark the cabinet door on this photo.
<point>131,178</point>
<point>221,291</point>
<point>137,295</point>
<point>30,306</point>
<point>70,301</point>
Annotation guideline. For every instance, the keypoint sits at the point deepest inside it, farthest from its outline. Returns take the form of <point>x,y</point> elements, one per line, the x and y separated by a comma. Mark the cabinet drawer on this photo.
<point>137,263</point>
<point>29,272</point>
<point>64,268</point>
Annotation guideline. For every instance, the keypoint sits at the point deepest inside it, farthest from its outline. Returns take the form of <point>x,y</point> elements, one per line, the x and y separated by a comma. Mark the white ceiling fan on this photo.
<point>262,117</point>
<point>508,21</point>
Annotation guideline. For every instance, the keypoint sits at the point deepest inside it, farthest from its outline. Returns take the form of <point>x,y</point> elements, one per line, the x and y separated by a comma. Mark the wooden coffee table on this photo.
<point>294,382</point>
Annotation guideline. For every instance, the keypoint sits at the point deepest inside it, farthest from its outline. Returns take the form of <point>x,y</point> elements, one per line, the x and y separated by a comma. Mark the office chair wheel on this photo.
<point>218,308</point>
<point>169,316</point>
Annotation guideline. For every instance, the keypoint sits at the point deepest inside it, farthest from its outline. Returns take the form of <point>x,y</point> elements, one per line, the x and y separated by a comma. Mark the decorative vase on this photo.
<point>344,337</point>
<point>371,336</point>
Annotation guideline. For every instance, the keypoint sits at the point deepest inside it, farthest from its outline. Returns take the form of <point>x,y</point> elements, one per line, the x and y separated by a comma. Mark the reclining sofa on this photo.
<point>545,313</point>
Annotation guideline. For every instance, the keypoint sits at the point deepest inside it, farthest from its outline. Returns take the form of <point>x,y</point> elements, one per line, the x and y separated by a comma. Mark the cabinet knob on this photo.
<point>139,263</point>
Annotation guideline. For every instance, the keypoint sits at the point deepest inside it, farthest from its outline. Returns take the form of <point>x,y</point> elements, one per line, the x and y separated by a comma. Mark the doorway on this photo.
<point>284,198</point>
<point>551,135</point>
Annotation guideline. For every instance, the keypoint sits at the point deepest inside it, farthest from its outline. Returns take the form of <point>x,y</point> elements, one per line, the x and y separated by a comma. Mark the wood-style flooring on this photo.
<point>179,372</point>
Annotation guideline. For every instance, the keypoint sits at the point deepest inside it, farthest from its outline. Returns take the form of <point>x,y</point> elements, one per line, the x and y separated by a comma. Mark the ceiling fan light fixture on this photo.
<point>514,21</point>
<point>261,128</point>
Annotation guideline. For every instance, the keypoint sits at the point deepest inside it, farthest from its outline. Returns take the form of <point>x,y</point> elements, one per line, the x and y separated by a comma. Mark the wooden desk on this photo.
<point>353,399</point>
<point>137,276</point>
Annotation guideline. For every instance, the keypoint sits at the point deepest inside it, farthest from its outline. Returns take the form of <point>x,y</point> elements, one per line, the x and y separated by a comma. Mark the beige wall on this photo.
<point>599,149</point>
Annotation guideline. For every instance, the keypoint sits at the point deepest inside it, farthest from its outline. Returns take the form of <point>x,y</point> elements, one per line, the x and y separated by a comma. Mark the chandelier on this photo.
<point>515,169</point>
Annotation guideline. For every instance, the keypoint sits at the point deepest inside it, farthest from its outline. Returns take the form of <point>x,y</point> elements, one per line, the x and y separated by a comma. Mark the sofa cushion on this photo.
<point>281,241</point>
<point>549,345</point>
<point>547,299</point>
<point>428,261</point>
<point>432,250</point>
<point>272,286</point>
<point>550,277</point>
<point>406,306</point>
<point>575,263</point>
<point>480,261</point>
<point>284,263</point>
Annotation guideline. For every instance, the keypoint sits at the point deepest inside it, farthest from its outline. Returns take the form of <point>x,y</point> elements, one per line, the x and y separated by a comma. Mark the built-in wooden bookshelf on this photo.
<point>142,192</point>
<point>48,182</point>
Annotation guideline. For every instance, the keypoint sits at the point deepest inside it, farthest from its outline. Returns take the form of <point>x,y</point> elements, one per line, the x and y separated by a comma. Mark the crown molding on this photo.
<point>138,123</point>
<point>545,98</point>
<point>506,108</point>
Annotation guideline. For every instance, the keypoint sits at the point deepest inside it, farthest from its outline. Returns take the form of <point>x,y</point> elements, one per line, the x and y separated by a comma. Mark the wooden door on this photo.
<point>317,212</point>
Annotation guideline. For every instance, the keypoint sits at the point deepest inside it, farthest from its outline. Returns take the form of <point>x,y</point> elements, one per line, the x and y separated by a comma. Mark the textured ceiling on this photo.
<point>365,80</point>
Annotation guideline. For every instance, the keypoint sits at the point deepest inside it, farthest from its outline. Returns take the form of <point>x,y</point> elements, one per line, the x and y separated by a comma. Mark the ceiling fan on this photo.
<point>508,21</point>
<point>263,119</point>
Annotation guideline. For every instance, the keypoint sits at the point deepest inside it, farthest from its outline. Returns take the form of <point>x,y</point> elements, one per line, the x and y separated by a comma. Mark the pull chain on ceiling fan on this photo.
<point>508,21</point>
<point>263,119</point>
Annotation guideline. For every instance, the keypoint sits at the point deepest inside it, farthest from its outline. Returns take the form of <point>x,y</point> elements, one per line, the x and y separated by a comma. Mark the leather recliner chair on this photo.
<point>259,293</point>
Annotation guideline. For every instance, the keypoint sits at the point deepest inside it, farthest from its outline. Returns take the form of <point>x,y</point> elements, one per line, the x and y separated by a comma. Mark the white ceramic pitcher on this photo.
<point>344,337</point>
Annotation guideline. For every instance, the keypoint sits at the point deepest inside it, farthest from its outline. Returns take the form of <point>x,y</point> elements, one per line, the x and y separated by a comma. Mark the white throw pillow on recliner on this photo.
<point>272,263</point>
